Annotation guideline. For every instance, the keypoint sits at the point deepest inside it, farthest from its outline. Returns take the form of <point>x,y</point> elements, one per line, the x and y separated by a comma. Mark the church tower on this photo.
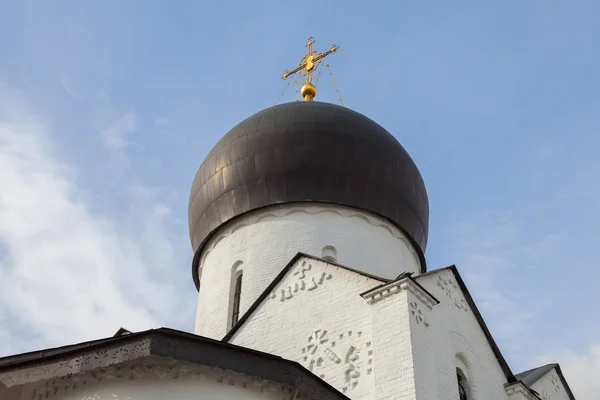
<point>301,177</point>
<point>309,224</point>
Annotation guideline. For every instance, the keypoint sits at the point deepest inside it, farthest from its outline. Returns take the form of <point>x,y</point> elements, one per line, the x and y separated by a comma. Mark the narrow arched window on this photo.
<point>462,393</point>
<point>237,293</point>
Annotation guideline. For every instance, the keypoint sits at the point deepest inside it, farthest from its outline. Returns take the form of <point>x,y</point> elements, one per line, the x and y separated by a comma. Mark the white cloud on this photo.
<point>114,136</point>
<point>68,274</point>
<point>581,370</point>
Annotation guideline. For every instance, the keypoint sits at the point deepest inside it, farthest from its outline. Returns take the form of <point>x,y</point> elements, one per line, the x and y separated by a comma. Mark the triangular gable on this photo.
<point>313,314</point>
<point>537,378</point>
<point>122,331</point>
<point>473,307</point>
<point>284,272</point>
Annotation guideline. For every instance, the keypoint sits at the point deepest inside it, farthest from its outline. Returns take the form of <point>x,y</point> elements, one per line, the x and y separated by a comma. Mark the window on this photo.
<point>235,313</point>
<point>462,393</point>
<point>329,253</point>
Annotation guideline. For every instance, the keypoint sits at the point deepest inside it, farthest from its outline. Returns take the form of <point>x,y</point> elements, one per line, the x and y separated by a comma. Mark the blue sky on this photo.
<point>107,108</point>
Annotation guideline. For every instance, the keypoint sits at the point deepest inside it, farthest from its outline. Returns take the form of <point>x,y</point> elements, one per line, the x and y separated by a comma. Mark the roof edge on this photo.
<point>278,279</point>
<point>184,346</point>
<point>261,298</point>
<point>564,381</point>
<point>501,360</point>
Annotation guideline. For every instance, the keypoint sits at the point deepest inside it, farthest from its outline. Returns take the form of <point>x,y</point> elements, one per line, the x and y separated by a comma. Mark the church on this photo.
<point>309,224</point>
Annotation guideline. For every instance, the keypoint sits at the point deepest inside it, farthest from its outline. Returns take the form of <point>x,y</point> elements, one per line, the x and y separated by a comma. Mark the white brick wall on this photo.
<point>266,240</point>
<point>454,333</point>
<point>393,356</point>
<point>326,326</point>
<point>550,387</point>
<point>413,351</point>
<point>180,389</point>
<point>154,378</point>
<point>408,347</point>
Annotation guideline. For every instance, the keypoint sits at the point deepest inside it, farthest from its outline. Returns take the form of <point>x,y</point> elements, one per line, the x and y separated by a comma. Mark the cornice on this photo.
<point>405,283</point>
<point>518,388</point>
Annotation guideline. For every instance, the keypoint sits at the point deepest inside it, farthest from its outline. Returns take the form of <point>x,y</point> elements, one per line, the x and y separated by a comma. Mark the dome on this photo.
<point>308,152</point>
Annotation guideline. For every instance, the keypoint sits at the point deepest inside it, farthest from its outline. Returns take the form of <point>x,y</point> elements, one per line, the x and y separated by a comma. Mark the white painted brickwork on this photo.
<point>156,378</point>
<point>518,391</point>
<point>393,357</point>
<point>326,327</point>
<point>266,240</point>
<point>153,389</point>
<point>412,352</point>
<point>550,387</point>
<point>401,346</point>
<point>454,338</point>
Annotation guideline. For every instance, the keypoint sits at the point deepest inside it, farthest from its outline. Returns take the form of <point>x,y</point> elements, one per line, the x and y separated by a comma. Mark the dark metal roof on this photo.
<point>308,151</point>
<point>531,376</point>
<point>181,346</point>
<point>122,331</point>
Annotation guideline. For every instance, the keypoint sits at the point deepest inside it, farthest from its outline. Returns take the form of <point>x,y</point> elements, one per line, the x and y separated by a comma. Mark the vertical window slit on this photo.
<point>236,300</point>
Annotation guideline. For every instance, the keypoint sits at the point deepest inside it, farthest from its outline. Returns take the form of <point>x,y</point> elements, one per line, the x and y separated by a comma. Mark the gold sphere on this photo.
<point>308,91</point>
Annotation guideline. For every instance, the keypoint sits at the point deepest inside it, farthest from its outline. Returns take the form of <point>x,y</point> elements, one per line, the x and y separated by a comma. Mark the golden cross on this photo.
<point>307,65</point>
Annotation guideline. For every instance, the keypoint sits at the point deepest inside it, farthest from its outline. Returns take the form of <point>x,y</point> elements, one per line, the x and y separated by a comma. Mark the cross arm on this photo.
<point>292,72</point>
<point>333,49</point>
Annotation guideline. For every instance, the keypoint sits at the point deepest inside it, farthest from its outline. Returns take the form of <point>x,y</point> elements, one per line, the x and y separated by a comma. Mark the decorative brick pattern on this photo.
<point>328,330</point>
<point>452,292</point>
<point>305,281</point>
<point>324,348</point>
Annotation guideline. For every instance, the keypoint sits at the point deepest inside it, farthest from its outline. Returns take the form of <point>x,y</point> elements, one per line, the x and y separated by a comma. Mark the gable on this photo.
<point>531,376</point>
<point>315,315</point>
<point>464,336</point>
<point>298,276</point>
<point>552,386</point>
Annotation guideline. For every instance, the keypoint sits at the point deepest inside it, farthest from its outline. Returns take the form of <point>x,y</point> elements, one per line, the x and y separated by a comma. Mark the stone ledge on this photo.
<point>399,285</point>
<point>518,391</point>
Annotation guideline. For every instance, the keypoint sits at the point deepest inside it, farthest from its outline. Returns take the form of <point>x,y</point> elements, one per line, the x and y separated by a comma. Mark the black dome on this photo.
<point>308,151</point>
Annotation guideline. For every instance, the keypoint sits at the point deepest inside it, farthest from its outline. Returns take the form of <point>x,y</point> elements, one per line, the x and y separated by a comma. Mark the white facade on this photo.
<point>153,379</point>
<point>153,389</point>
<point>376,330</point>
<point>456,340</point>
<point>396,341</point>
<point>550,387</point>
<point>373,329</point>
<point>327,329</point>
<point>261,243</point>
